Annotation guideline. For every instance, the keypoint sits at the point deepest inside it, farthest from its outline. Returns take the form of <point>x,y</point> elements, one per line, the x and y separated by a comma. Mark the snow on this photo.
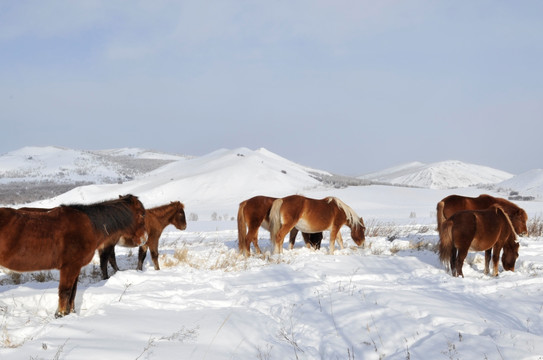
<point>528,183</point>
<point>441,175</point>
<point>391,299</point>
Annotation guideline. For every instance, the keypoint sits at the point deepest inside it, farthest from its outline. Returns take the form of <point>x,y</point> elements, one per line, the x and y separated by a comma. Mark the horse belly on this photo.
<point>478,245</point>
<point>306,227</point>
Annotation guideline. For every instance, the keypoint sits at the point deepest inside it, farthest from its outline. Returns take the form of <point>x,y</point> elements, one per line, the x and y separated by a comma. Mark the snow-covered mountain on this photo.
<point>217,178</point>
<point>440,175</point>
<point>225,176</point>
<point>529,183</point>
<point>62,165</point>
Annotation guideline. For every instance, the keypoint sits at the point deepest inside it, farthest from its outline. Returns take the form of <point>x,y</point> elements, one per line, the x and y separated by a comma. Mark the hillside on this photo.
<point>36,173</point>
<point>529,183</point>
<point>440,175</point>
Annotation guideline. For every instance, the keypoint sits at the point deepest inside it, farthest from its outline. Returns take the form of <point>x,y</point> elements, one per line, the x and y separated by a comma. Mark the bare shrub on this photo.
<point>42,276</point>
<point>375,228</point>
<point>535,226</point>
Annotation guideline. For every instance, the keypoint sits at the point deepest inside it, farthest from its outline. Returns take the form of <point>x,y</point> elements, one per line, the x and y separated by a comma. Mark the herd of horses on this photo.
<point>66,237</point>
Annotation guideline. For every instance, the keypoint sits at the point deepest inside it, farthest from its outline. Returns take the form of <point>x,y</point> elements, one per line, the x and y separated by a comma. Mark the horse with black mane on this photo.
<point>312,216</point>
<point>254,213</point>
<point>488,230</point>
<point>156,219</point>
<point>65,238</point>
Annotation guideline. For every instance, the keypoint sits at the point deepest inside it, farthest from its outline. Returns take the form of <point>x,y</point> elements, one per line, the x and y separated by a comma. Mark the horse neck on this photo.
<point>164,214</point>
<point>351,217</point>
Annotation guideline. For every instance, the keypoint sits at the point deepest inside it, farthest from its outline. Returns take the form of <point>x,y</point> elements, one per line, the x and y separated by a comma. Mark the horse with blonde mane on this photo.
<point>311,216</point>
<point>254,213</point>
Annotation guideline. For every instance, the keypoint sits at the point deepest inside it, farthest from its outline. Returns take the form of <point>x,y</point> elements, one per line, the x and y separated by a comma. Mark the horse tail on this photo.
<point>440,216</point>
<point>242,228</point>
<point>275,219</point>
<point>445,247</point>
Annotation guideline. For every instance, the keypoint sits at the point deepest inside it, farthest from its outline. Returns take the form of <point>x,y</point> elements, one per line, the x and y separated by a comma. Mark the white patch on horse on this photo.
<point>304,226</point>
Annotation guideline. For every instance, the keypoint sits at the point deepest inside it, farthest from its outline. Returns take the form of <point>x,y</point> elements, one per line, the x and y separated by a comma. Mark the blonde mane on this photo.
<point>352,218</point>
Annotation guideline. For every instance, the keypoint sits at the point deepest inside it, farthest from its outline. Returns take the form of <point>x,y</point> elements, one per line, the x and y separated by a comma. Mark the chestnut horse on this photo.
<point>454,203</point>
<point>311,216</point>
<point>479,230</point>
<point>65,238</point>
<point>156,219</point>
<point>254,213</point>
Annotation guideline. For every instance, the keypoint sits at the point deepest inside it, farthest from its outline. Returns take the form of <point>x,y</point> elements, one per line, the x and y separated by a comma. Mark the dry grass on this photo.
<point>535,226</point>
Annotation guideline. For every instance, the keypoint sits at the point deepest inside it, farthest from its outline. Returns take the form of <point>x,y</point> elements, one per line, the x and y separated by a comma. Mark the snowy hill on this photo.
<point>529,183</point>
<point>34,173</point>
<point>63,165</point>
<point>440,175</point>
<point>217,178</point>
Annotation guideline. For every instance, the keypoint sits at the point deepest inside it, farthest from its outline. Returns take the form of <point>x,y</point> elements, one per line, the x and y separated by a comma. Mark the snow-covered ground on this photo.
<point>390,299</point>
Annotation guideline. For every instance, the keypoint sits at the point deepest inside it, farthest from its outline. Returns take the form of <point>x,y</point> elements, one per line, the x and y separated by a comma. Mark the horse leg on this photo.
<point>104,258</point>
<point>488,254</point>
<point>292,238</point>
<point>453,261</point>
<point>66,290</point>
<point>340,240</point>
<point>113,260</point>
<point>142,253</point>
<point>154,257</point>
<point>252,237</point>
<point>495,260</point>
<point>280,238</point>
<point>72,297</point>
<point>333,234</point>
<point>462,253</point>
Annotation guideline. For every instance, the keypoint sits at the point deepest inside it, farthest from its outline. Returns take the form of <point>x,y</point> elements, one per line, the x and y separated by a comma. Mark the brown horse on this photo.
<point>454,203</point>
<point>65,238</point>
<point>253,214</point>
<point>156,219</point>
<point>312,215</point>
<point>479,230</point>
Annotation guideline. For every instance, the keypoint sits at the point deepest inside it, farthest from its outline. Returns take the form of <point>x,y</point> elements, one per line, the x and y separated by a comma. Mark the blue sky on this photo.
<point>346,86</point>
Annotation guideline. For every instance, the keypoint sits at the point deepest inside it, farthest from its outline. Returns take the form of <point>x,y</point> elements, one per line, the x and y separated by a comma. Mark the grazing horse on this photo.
<point>311,216</point>
<point>156,219</point>
<point>454,203</point>
<point>65,238</point>
<point>254,213</point>
<point>479,230</point>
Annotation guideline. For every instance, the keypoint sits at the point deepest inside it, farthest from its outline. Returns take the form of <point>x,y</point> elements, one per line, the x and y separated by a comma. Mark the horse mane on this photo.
<point>160,210</point>
<point>499,208</point>
<point>352,218</point>
<point>109,216</point>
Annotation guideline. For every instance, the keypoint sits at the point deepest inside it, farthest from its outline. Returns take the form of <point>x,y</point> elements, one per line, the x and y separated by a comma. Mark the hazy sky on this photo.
<point>346,86</point>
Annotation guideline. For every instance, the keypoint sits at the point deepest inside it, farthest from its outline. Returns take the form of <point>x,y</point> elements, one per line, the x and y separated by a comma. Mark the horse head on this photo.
<point>510,255</point>
<point>358,230</point>
<point>138,229</point>
<point>179,220</point>
<point>519,218</point>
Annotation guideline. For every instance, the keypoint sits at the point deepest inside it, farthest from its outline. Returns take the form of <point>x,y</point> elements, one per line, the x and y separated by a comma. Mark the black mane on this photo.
<point>110,216</point>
